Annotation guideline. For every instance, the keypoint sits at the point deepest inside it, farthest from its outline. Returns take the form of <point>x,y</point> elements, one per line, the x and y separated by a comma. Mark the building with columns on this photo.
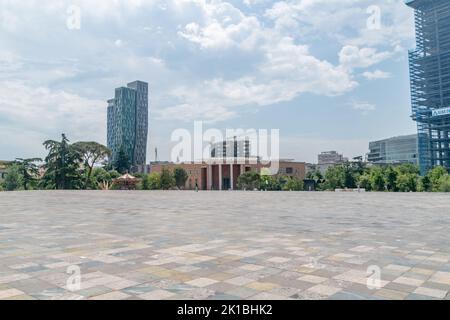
<point>223,174</point>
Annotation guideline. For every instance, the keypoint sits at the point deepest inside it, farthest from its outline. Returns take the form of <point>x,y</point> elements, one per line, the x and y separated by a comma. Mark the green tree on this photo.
<point>62,165</point>
<point>122,163</point>
<point>293,184</point>
<point>444,184</point>
<point>435,175</point>
<point>181,176</point>
<point>407,182</point>
<point>249,181</point>
<point>390,177</point>
<point>29,169</point>
<point>152,182</point>
<point>93,153</point>
<point>271,183</point>
<point>377,179</point>
<point>365,181</point>
<point>14,179</point>
<point>167,179</point>
<point>425,184</point>
<point>334,178</point>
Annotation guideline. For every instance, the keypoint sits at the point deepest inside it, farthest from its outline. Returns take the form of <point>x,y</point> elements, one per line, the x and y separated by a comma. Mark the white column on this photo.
<point>232,176</point>
<point>220,177</point>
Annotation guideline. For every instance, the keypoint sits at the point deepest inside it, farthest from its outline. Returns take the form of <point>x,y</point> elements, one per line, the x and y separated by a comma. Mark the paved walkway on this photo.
<point>230,245</point>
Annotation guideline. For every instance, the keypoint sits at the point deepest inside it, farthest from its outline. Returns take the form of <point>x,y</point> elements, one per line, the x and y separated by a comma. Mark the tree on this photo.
<point>93,153</point>
<point>152,181</point>
<point>435,175</point>
<point>293,184</point>
<point>249,181</point>
<point>167,179</point>
<point>444,183</point>
<point>122,164</point>
<point>62,165</point>
<point>407,182</point>
<point>365,181</point>
<point>29,170</point>
<point>335,178</point>
<point>377,179</point>
<point>14,179</point>
<point>390,176</point>
<point>180,176</point>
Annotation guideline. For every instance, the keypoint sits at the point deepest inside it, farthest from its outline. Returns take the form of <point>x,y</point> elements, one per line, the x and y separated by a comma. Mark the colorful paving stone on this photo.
<point>229,245</point>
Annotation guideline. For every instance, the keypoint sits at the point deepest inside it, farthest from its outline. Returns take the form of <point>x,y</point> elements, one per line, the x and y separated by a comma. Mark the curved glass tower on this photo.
<point>128,122</point>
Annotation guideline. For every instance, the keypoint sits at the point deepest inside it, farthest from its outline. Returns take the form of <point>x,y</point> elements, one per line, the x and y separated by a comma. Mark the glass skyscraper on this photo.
<point>128,122</point>
<point>394,150</point>
<point>430,81</point>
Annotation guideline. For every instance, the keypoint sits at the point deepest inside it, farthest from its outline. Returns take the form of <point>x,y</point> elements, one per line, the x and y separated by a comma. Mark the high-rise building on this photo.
<point>232,148</point>
<point>328,159</point>
<point>430,81</point>
<point>128,123</point>
<point>394,150</point>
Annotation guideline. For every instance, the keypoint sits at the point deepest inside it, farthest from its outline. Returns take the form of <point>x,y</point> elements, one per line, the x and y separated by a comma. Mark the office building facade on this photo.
<point>328,159</point>
<point>396,150</point>
<point>430,81</point>
<point>128,123</point>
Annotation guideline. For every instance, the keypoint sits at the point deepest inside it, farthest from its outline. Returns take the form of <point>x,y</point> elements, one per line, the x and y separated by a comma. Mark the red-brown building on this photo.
<point>223,174</point>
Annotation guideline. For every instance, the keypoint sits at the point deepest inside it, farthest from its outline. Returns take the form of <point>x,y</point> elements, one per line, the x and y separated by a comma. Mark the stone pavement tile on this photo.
<point>286,292</point>
<point>324,290</point>
<point>20,298</point>
<point>240,281</point>
<point>313,279</point>
<point>94,291</point>
<point>197,294</point>
<point>13,277</point>
<point>395,267</point>
<point>345,295</point>
<point>414,296</point>
<point>222,287</point>
<point>139,289</point>
<point>201,282</point>
<point>435,293</point>
<point>267,296</point>
<point>121,284</point>
<point>251,267</point>
<point>261,286</point>
<point>436,285</point>
<point>114,295</point>
<point>400,287</point>
<point>221,276</point>
<point>49,294</point>
<point>223,296</point>
<point>157,295</point>
<point>10,293</point>
<point>441,277</point>
<point>426,272</point>
<point>278,260</point>
<point>409,281</point>
<point>391,294</point>
<point>242,292</point>
<point>32,285</point>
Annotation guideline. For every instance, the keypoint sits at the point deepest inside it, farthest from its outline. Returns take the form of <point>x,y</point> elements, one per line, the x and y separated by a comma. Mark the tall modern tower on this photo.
<point>430,81</point>
<point>128,122</point>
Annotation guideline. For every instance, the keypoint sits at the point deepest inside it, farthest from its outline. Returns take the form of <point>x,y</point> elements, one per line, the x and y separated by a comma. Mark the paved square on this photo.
<point>229,245</point>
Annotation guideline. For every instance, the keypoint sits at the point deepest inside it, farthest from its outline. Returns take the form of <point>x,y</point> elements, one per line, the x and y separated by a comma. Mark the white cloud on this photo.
<point>355,57</point>
<point>377,74</point>
<point>49,112</point>
<point>363,106</point>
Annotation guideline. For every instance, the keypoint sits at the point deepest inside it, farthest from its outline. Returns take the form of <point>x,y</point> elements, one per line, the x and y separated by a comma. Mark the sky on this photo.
<point>330,74</point>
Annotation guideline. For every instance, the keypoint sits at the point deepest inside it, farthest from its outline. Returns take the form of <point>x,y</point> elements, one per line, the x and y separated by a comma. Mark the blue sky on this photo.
<point>324,72</point>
